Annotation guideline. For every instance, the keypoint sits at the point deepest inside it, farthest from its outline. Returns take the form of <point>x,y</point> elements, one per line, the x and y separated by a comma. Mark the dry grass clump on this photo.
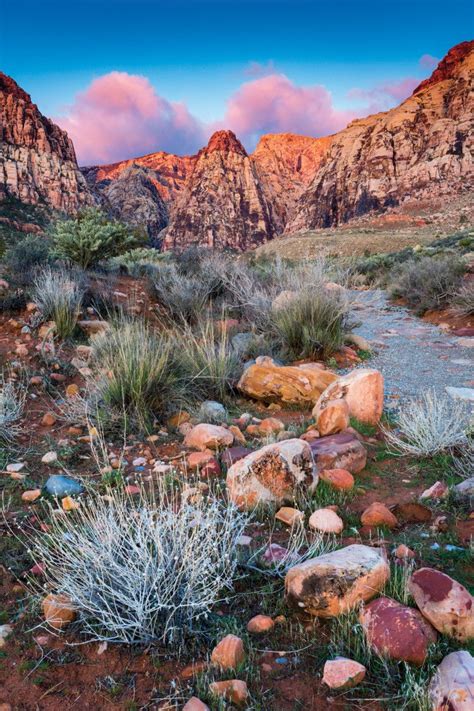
<point>12,404</point>
<point>183,298</point>
<point>463,300</point>
<point>429,425</point>
<point>58,296</point>
<point>426,283</point>
<point>146,570</point>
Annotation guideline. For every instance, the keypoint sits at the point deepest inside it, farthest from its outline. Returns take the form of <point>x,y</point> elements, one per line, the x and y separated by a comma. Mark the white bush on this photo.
<point>12,403</point>
<point>429,425</point>
<point>146,570</point>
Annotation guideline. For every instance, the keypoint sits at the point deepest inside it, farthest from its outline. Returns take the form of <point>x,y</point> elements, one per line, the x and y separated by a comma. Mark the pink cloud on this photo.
<point>383,96</point>
<point>274,104</point>
<point>121,116</point>
<point>427,62</point>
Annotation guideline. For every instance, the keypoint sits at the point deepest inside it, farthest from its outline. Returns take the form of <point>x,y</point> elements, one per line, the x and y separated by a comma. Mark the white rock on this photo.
<point>49,458</point>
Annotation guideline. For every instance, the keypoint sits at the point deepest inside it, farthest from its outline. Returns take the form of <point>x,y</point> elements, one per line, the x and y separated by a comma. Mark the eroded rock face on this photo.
<point>362,391</point>
<point>397,631</point>
<point>452,687</point>
<point>421,149</point>
<point>272,474</point>
<point>444,602</point>
<point>336,582</point>
<point>287,384</point>
<point>37,159</point>
<point>223,204</point>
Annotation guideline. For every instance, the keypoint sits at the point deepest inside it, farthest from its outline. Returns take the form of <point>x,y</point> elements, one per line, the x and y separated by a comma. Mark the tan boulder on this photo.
<point>326,521</point>
<point>336,582</point>
<point>58,610</point>
<point>377,514</point>
<point>233,690</point>
<point>339,479</point>
<point>452,686</point>
<point>205,436</point>
<point>287,384</point>
<point>342,673</point>
<point>362,389</point>
<point>444,602</point>
<point>331,416</point>
<point>229,653</point>
<point>272,474</point>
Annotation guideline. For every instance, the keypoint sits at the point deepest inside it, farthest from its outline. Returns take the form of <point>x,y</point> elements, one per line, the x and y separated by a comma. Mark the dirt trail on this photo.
<point>412,355</point>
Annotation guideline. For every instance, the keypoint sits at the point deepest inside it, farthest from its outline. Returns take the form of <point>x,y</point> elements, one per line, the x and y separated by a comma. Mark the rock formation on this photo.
<point>421,149</point>
<point>37,159</point>
<point>223,204</point>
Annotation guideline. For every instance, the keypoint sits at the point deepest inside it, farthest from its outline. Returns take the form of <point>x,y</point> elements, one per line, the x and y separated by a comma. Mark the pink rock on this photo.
<point>452,687</point>
<point>339,479</point>
<point>377,514</point>
<point>195,704</point>
<point>326,521</point>
<point>260,624</point>
<point>362,389</point>
<point>444,602</point>
<point>229,653</point>
<point>205,436</point>
<point>439,490</point>
<point>234,690</point>
<point>332,416</point>
<point>342,673</point>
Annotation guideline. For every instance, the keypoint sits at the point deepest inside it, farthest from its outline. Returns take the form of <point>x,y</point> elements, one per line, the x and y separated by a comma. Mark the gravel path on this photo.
<point>413,355</point>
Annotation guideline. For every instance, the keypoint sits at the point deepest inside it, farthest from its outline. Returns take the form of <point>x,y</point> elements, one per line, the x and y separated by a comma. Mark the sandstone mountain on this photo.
<point>421,149</point>
<point>37,159</point>
<point>223,204</point>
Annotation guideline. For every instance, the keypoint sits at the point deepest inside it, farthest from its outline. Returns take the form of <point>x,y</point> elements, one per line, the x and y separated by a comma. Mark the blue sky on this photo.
<point>200,53</point>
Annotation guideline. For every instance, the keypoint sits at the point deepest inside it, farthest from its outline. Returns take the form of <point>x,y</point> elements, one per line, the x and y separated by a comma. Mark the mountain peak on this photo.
<point>226,142</point>
<point>447,65</point>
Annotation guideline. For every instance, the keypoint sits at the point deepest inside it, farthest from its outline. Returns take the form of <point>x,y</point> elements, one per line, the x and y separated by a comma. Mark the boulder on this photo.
<point>444,602</point>
<point>342,673</point>
<point>339,451</point>
<point>332,416</point>
<point>339,479</point>
<point>260,624</point>
<point>452,686</point>
<point>233,690</point>
<point>336,582</point>
<point>272,474</point>
<point>377,514</point>
<point>326,521</point>
<point>58,610</point>
<point>205,436</point>
<point>229,653</point>
<point>397,631</point>
<point>362,389</point>
<point>234,454</point>
<point>291,385</point>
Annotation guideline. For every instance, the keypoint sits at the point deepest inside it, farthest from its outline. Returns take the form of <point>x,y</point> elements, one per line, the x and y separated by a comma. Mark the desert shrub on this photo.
<point>58,296</point>
<point>146,570</point>
<point>463,461</point>
<point>12,403</point>
<point>139,370</point>
<point>208,362</point>
<point>311,324</point>
<point>182,297</point>
<point>426,283</point>
<point>26,256</point>
<point>136,261</point>
<point>463,300</point>
<point>429,425</point>
<point>249,297</point>
<point>91,237</point>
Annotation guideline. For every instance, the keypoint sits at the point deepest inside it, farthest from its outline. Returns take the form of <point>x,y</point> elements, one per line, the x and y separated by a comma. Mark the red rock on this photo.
<point>30,496</point>
<point>339,451</point>
<point>439,490</point>
<point>342,673</point>
<point>270,426</point>
<point>402,552</point>
<point>377,514</point>
<point>229,653</point>
<point>233,690</point>
<point>204,436</point>
<point>238,434</point>
<point>444,602</point>
<point>339,479</point>
<point>332,416</point>
<point>234,454</point>
<point>362,390</point>
<point>48,419</point>
<point>289,515</point>
<point>197,460</point>
<point>58,610</point>
<point>396,631</point>
<point>260,624</point>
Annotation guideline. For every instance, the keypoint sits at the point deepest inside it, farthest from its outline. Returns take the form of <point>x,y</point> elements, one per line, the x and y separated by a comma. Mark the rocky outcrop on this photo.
<point>223,204</point>
<point>421,149</point>
<point>37,159</point>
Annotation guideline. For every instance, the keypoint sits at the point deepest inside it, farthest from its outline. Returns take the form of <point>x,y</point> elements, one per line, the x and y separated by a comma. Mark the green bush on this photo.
<point>91,237</point>
<point>426,283</point>
<point>312,324</point>
<point>27,255</point>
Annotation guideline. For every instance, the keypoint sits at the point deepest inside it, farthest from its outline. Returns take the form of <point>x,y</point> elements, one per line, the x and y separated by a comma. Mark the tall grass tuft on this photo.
<point>138,369</point>
<point>58,296</point>
<point>12,404</point>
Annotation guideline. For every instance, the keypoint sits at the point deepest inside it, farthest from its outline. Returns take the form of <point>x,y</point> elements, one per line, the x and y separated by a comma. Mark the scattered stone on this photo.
<point>342,673</point>
<point>72,390</point>
<point>412,512</point>
<point>464,492</point>
<point>233,690</point>
<point>178,419</point>
<point>48,419</point>
<point>59,485</point>
<point>206,436</point>
<point>362,389</point>
<point>260,624</point>
<point>195,704</point>
<point>336,582</point>
<point>402,552</point>
<point>69,504</point>
<point>270,426</point>
<point>274,554</point>
<point>58,610</point>
<point>5,632</point>
<point>212,411</point>
<point>238,434</point>
<point>272,474</point>
<point>339,479</point>
<point>31,495</point>
<point>439,490</point>
<point>452,686</point>
<point>444,602</point>
<point>339,451</point>
<point>197,460</point>
<point>229,653</point>
<point>289,515</point>
<point>16,467</point>
<point>377,514</point>
<point>49,458</point>
<point>326,521</point>
<point>332,416</point>
<point>288,384</point>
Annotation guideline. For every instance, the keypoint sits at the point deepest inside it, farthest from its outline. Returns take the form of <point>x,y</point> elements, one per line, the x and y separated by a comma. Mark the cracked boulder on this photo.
<point>362,390</point>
